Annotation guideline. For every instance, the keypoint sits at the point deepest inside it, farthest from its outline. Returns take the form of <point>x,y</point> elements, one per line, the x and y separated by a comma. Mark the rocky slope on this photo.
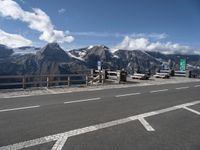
<point>52,59</point>
<point>49,60</point>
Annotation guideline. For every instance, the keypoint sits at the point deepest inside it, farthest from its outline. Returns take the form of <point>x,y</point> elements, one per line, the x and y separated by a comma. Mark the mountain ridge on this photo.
<point>52,59</point>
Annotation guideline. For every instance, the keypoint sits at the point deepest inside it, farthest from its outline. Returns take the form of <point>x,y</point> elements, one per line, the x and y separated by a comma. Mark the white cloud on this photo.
<point>156,36</point>
<point>13,40</point>
<point>145,44</point>
<point>37,20</point>
<point>92,34</point>
<point>22,1</point>
<point>61,11</point>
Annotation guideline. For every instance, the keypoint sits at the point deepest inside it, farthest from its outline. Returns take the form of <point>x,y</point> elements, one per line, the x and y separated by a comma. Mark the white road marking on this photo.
<point>197,86</point>
<point>60,143</point>
<point>15,96</point>
<point>156,91</point>
<point>39,94</point>
<point>131,94</point>
<point>58,137</point>
<point>192,110</point>
<point>84,100</point>
<point>181,88</point>
<point>188,104</point>
<point>31,143</point>
<point>20,108</point>
<point>146,125</point>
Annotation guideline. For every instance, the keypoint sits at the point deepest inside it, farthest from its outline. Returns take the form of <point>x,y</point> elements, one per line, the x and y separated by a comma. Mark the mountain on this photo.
<point>92,54</point>
<point>193,60</point>
<point>5,51</point>
<point>52,59</point>
<point>53,52</point>
<point>121,59</point>
<point>25,50</point>
<point>136,60</point>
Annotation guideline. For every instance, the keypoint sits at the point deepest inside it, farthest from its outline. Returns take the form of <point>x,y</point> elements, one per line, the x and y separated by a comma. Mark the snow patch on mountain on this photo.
<point>79,58</point>
<point>25,50</point>
<point>90,47</point>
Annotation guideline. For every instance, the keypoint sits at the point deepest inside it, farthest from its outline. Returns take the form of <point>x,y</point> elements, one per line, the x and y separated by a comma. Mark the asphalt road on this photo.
<point>158,117</point>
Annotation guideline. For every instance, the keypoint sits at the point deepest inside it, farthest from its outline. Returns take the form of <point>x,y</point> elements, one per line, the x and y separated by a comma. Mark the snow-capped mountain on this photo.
<point>52,59</point>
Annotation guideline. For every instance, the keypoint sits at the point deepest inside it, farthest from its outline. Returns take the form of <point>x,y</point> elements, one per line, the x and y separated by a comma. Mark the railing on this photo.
<point>42,81</point>
<point>180,73</point>
<point>176,72</point>
<point>101,76</point>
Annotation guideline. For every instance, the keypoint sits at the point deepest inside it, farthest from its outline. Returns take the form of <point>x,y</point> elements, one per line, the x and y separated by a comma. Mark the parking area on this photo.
<point>176,127</point>
<point>196,107</point>
<point>173,130</point>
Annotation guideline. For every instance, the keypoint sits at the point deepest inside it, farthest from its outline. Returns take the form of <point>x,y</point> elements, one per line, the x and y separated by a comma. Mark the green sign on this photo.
<point>182,65</point>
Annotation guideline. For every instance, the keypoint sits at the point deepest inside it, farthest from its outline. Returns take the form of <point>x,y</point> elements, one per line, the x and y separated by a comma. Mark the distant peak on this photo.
<point>53,45</point>
<point>3,46</point>
<point>90,47</point>
<point>103,46</point>
<point>97,46</point>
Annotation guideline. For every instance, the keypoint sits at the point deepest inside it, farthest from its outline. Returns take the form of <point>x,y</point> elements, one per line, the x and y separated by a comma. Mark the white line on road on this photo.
<point>156,91</point>
<point>146,125</point>
<point>191,110</point>
<point>60,143</point>
<point>181,88</point>
<point>15,96</point>
<point>197,86</point>
<point>20,108</point>
<point>92,128</point>
<point>84,100</point>
<point>130,94</point>
<point>39,94</point>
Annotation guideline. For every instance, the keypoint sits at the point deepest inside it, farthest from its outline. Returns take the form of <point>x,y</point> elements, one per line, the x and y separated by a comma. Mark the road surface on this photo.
<point>154,117</point>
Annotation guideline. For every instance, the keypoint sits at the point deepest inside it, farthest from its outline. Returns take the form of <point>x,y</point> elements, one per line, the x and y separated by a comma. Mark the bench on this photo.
<point>140,76</point>
<point>162,75</point>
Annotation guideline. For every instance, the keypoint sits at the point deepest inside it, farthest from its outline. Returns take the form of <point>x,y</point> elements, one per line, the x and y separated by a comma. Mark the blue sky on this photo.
<point>114,23</point>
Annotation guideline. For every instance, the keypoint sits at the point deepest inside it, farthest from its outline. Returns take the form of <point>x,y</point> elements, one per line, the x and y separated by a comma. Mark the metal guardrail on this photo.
<point>42,80</point>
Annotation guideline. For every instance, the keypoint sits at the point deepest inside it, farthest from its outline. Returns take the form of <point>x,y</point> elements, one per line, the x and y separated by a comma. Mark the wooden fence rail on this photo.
<point>42,80</point>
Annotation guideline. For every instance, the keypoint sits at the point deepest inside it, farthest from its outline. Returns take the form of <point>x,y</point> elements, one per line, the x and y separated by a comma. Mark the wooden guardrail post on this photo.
<point>47,81</point>
<point>86,80</point>
<point>68,80</point>
<point>100,76</point>
<point>103,76</point>
<point>24,82</point>
<point>119,76</point>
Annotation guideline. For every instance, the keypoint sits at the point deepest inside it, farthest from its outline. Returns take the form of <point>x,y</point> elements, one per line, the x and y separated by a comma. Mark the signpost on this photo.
<point>182,64</point>
<point>99,65</point>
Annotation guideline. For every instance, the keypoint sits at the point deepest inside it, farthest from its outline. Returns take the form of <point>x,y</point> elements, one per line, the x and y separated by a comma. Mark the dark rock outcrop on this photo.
<point>136,61</point>
<point>5,51</point>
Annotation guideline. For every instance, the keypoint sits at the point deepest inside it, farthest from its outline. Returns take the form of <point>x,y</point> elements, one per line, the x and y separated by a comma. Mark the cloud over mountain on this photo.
<point>37,20</point>
<point>145,44</point>
<point>13,40</point>
<point>156,36</point>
